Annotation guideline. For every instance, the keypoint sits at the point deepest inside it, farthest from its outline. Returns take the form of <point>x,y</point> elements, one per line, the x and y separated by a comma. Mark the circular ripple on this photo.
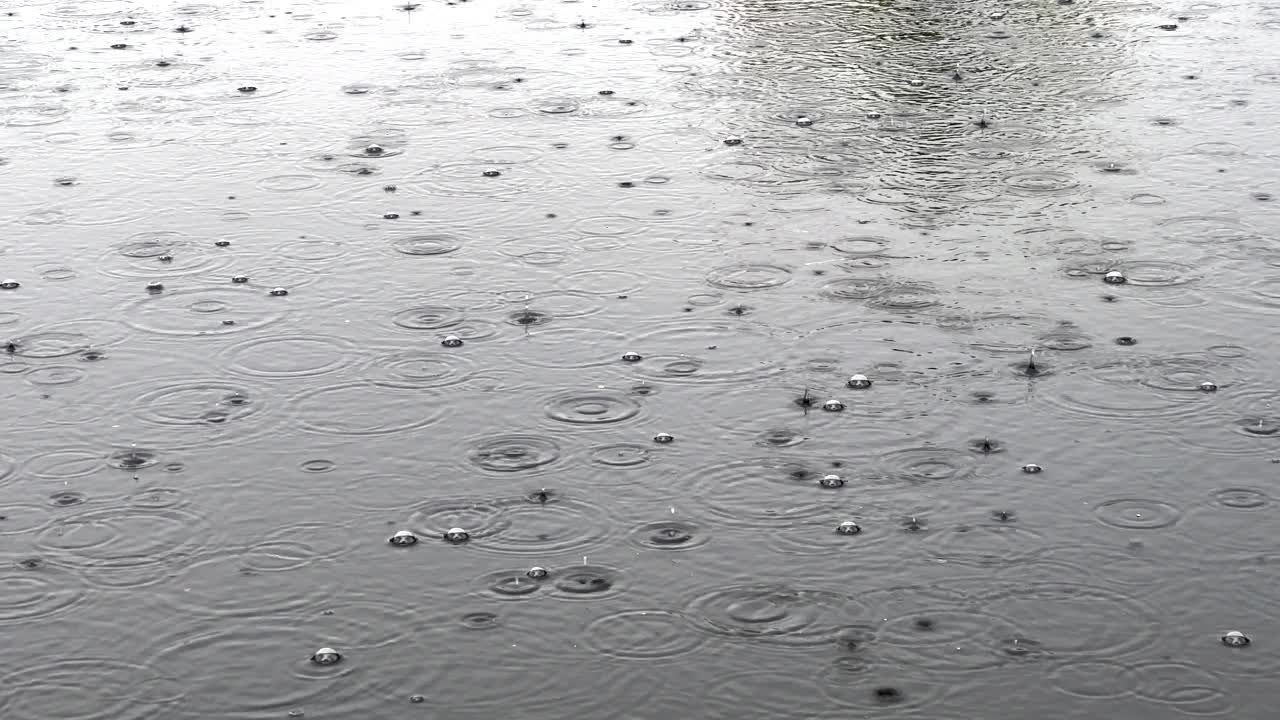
<point>139,257</point>
<point>954,639</point>
<point>1184,687</point>
<point>642,635</point>
<point>33,594</point>
<point>748,276</point>
<point>126,546</point>
<point>982,545</point>
<point>481,518</point>
<point>585,582</point>
<point>295,546</point>
<point>1042,182</point>
<point>211,660</point>
<point>620,455</point>
<point>87,688</point>
<point>1094,679</point>
<point>65,464</point>
<point>208,311</point>
<point>290,356</point>
<point>861,245</point>
<point>560,525</point>
<point>592,407</point>
<point>707,353</point>
<point>765,491</point>
<point>669,535</point>
<point>513,452</point>
<point>511,584</point>
<point>854,288</point>
<point>1137,513</point>
<point>1157,273</point>
<point>421,369</point>
<point>364,409</point>
<point>929,464</point>
<point>196,403</point>
<point>774,614</point>
<point>1240,498</point>
<point>428,317</point>
<point>1085,620</point>
<point>427,245</point>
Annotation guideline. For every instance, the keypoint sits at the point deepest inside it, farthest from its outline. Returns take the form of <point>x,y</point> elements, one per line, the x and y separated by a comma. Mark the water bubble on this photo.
<point>452,341</point>
<point>457,535</point>
<point>1114,277</point>
<point>833,405</point>
<point>1208,386</point>
<point>733,140</point>
<point>632,357</point>
<point>1031,468</point>
<point>1126,340</point>
<point>537,573</point>
<point>663,438</point>
<point>326,656</point>
<point>831,481</point>
<point>803,121</point>
<point>403,538</point>
<point>278,292</point>
<point>155,287</point>
<point>1235,638</point>
<point>848,527</point>
<point>239,279</point>
<point>859,382</point>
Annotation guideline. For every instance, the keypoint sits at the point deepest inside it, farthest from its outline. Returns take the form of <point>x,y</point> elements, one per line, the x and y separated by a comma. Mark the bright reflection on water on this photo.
<point>583,281</point>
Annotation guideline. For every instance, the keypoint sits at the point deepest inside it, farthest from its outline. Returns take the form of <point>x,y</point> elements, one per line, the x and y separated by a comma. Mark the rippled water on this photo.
<point>581,281</point>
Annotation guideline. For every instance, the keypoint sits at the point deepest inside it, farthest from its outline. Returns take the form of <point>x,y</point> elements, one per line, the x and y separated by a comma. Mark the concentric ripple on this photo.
<point>749,276</point>
<point>669,535</point>
<point>480,517</point>
<point>707,353</point>
<point>650,634</point>
<point>290,356</point>
<point>88,688</point>
<point>295,546</point>
<point>620,455</point>
<point>197,403</point>
<point>1137,513</point>
<point>203,311</point>
<point>774,614</point>
<point>772,491</point>
<point>125,546</point>
<point>561,525</point>
<point>1084,622</point>
<point>34,593</point>
<point>585,582</point>
<point>929,464</point>
<point>592,407</point>
<point>514,452</point>
<point>345,409</point>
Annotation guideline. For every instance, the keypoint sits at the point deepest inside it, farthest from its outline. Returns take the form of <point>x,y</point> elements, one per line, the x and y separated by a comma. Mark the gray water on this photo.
<point>197,483</point>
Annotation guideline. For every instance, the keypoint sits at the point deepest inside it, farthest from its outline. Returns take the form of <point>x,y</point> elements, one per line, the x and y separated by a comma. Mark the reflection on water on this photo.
<point>877,358</point>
